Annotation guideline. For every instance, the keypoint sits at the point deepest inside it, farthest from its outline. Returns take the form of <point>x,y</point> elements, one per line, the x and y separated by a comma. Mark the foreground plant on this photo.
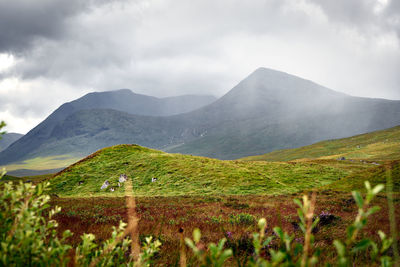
<point>289,253</point>
<point>215,255</point>
<point>28,235</point>
<point>352,246</point>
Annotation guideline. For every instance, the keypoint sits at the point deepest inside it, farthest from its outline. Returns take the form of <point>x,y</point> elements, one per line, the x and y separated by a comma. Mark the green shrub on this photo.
<point>242,219</point>
<point>28,235</point>
<point>216,220</point>
<point>236,205</point>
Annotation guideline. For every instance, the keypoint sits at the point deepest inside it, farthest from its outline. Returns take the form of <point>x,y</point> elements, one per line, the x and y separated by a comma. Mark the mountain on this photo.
<point>268,110</point>
<point>125,101</point>
<point>9,138</point>
<point>272,110</point>
<point>86,131</point>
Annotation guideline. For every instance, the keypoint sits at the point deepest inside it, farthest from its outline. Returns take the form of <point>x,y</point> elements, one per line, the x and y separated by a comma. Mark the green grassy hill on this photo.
<point>375,146</point>
<point>377,175</point>
<point>187,175</point>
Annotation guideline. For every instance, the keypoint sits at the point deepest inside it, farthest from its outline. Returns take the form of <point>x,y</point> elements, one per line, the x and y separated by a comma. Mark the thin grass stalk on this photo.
<point>309,214</point>
<point>182,253</point>
<point>392,216</point>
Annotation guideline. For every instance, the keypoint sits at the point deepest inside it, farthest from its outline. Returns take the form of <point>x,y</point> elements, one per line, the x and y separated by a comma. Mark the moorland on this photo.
<point>219,165</point>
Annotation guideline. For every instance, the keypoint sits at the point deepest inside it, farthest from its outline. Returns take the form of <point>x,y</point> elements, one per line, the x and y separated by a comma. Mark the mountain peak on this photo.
<point>265,70</point>
<point>267,73</point>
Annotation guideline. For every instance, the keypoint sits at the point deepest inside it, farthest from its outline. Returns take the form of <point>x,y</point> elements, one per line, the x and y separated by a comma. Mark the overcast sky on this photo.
<point>53,51</point>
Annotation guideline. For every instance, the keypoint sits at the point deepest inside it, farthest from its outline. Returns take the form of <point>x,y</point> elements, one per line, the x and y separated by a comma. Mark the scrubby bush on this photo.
<point>242,219</point>
<point>28,235</point>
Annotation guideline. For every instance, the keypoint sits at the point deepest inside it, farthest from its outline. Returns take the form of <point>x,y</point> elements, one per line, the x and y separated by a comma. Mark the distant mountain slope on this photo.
<point>86,131</point>
<point>272,110</point>
<point>185,175</point>
<point>379,145</point>
<point>9,138</point>
<point>121,100</point>
<point>126,101</point>
<point>268,110</point>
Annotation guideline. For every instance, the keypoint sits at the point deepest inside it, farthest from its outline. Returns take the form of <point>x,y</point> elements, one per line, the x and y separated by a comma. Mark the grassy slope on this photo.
<point>377,175</point>
<point>379,145</point>
<point>187,175</point>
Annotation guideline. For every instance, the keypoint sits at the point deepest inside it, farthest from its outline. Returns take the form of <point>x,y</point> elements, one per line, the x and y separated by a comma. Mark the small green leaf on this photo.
<point>314,224</point>
<point>277,257</point>
<point>196,235</point>
<point>190,243</point>
<point>226,254</point>
<point>382,235</point>
<point>267,241</point>
<point>262,223</point>
<point>377,189</point>
<point>362,245</point>
<point>385,261</point>
<point>372,210</point>
<point>298,203</point>
<point>279,232</point>
<point>358,198</point>
<point>340,248</point>
<point>367,185</point>
<point>350,231</point>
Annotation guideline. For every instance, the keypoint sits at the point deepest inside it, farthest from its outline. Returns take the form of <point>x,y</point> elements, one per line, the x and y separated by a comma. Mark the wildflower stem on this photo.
<point>182,258</point>
<point>392,216</point>
<point>309,213</point>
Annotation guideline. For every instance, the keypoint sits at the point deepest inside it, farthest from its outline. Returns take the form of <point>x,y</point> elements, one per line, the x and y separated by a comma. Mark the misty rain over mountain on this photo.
<point>268,110</point>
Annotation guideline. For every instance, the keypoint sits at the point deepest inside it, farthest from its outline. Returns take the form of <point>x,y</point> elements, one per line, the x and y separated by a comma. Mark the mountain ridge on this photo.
<point>266,111</point>
<point>123,100</point>
<point>7,139</point>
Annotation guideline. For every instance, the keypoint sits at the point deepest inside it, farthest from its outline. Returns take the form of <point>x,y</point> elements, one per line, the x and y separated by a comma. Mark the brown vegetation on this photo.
<point>216,217</point>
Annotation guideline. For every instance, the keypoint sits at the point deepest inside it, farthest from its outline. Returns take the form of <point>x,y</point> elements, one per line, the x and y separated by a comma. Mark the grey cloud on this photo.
<point>174,47</point>
<point>354,12</point>
<point>363,14</point>
<point>393,8</point>
<point>392,13</point>
<point>187,29</point>
<point>24,22</point>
